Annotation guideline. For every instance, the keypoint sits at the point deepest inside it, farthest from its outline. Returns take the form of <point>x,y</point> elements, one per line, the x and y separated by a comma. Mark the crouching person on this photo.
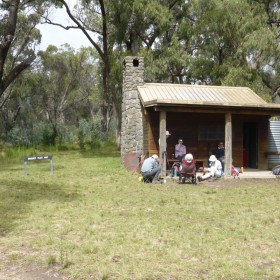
<point>214,171</point>
<point>151,169</point>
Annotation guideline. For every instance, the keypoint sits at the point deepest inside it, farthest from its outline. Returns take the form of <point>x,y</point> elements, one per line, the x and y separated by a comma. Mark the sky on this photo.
<point>58,36</point>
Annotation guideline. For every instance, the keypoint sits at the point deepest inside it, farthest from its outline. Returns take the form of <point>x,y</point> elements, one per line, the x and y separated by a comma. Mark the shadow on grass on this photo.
<point>17,195</point>
<point>18,165</point>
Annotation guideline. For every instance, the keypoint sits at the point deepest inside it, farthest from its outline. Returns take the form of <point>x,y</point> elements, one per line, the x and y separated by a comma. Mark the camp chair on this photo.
<point>188,172</point>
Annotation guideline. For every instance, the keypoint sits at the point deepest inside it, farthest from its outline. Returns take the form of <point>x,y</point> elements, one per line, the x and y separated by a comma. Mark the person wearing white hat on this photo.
<point>215,169</point>
<point>167,135</point>
<point>151,169</point>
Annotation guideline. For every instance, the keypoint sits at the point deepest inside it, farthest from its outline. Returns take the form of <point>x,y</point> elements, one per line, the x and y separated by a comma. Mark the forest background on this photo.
<point>62,96</point>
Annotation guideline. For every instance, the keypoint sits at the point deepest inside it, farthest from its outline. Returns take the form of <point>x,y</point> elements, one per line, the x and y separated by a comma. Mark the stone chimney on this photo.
<point>132,122</point>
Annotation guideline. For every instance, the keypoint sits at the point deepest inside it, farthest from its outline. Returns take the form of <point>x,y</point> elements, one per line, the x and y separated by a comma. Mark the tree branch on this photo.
<point>16,71</point>
<point>96,46</point>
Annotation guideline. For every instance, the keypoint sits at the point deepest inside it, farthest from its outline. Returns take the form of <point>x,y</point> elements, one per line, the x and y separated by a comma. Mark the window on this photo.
<point>211,132</point>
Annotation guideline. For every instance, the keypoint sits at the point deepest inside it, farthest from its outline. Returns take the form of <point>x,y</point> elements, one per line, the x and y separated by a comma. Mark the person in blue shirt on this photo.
<point>150,168</point>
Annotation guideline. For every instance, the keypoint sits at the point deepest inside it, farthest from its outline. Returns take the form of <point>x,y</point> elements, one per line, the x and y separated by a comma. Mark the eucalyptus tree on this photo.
<point>219,42</point>
<point>68,84</point>
<point>92,18</point>
<point>236,42</point>
<point>210,42</point>
<point>20,112</point>
<point>266,46</point>
<point>18,39</point>
<point>162,32</point>
<point>236,45</point>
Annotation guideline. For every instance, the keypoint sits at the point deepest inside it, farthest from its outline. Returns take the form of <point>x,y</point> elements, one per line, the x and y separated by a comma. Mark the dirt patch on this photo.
<point>29,273</point>
<point>11,271</point>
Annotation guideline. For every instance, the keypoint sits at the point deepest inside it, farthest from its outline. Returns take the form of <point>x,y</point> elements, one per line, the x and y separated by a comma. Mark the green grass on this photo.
<point>94,220</point>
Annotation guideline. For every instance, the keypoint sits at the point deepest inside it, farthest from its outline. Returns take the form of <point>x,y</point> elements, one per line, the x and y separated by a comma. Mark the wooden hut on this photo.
<point>201,115</point>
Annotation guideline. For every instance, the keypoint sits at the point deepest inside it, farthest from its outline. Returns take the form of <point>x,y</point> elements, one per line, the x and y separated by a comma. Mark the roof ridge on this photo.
<point>191,85</point>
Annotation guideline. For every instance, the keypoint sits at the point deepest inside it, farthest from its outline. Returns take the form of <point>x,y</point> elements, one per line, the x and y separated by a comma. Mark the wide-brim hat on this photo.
<point>167,133</point>
<point>189,157</point>
<point>212,158</point>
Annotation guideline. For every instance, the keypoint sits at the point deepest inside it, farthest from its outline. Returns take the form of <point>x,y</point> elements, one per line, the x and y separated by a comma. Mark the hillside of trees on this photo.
<point>62,95</point>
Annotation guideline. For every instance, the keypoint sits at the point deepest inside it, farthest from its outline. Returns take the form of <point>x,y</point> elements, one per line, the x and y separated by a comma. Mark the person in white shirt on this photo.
<point>215,169</point>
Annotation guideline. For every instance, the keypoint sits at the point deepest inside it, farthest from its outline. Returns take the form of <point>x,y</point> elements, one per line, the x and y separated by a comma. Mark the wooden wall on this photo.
<point>185,126</point>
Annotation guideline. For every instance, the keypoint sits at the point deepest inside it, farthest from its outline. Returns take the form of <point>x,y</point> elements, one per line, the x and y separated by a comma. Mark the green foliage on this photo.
<point>18,137</point>
<point>82,133</point>
<point>95,134</point>
<point>48,135</point>
<point>17,153</point>
<point>90,134</point>
<point>19,36</point>
<point>221,42</point>
<point>217,42</point>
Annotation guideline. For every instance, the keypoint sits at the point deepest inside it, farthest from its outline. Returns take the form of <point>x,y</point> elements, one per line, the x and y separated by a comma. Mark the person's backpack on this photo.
<point>276,170</point>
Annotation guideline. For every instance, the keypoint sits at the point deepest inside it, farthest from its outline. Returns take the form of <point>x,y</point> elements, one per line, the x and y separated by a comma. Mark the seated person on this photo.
<point>177,167</point>
<point>187,168</point>
<point>215,169</point>
<point>220,153</point>
<point>187,162</point>
<point>150,168</point>
<point>180,150</point>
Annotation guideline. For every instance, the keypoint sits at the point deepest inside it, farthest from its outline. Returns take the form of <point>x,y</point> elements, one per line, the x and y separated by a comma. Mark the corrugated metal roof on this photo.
<point>152,94</point>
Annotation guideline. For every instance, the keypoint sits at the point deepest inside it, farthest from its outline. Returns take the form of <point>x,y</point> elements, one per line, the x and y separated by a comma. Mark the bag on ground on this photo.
<point>276,170</point>
<point>234,171</point>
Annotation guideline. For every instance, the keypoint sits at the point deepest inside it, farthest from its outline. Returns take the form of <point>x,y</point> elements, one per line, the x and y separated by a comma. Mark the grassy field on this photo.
<point>92,219</point>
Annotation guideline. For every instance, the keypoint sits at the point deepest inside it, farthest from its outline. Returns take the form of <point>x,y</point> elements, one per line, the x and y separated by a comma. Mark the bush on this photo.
<point>89,133</point>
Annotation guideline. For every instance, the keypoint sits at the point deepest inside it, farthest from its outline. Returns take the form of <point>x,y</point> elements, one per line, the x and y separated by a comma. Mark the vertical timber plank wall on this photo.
<point>186,126</point>
<point>145,148</point>
<point>153,132</point>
